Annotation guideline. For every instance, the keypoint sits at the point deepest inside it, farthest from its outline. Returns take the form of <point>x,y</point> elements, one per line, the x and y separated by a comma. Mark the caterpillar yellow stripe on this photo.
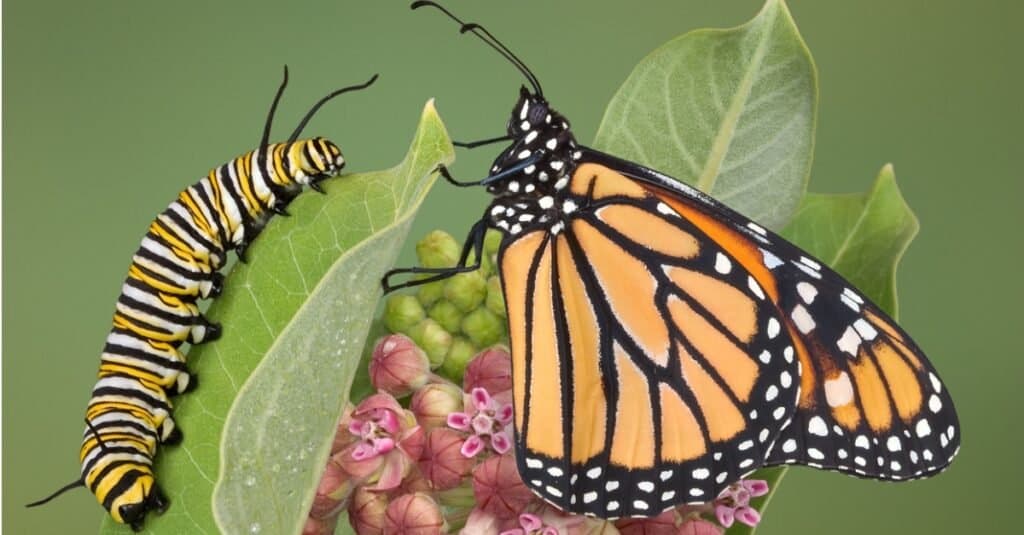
<point>177,264</point>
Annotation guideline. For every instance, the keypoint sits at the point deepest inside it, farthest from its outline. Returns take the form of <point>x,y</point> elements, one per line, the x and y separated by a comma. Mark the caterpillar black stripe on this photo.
<point>177,264</point>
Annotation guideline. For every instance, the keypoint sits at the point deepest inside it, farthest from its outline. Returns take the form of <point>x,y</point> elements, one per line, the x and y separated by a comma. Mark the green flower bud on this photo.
<point>492,241</point>
<point>430,292</point>
<point>486,263</point>
<point>466,290</point>
<point>459,354</point>
<point>401,312</point>
<point>483,327</point>
<point>447,315</point>
<point>433,339</point>
<point>495,298</point>
<point>438,249</point>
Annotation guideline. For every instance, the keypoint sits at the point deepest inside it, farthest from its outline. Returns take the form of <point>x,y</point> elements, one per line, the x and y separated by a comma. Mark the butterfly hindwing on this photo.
<point>871,404</point>
<point>651,368</point>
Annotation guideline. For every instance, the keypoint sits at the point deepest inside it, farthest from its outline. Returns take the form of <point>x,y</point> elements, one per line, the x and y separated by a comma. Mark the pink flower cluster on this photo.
<point>447,461</point>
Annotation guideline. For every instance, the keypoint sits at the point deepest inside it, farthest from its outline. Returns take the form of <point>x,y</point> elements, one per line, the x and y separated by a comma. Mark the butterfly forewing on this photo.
<point>651,367</point>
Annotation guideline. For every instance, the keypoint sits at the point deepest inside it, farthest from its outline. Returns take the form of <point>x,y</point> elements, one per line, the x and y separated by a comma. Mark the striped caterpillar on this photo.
<point>177,264</point>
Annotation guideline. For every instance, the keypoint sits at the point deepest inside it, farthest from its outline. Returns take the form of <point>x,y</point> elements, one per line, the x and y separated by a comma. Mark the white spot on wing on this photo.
<point>770,260</point>
<point>849,342</point>
<point>722,263</point>
<point>839,391</point>
<point>773,327</point>
<point>817,427</point>
<point>803,320</point>
<point>755,288</point>
<point>807,291</point>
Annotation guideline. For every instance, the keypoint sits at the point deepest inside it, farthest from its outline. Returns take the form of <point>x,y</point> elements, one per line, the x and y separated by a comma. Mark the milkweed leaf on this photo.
<point>731,112</point>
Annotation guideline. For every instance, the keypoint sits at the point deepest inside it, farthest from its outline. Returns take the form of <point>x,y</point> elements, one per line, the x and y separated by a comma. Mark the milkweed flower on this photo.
<point>398,366</point>
<point>434,402</point>
<point>530,524</point>
<point>413,514</point>
<point>490,369</point>
<point>333,492</point>
<point>488,421</point>
<point>442,462</point>
<point>733,503</point>
<point>499,490</point>
<point>388,442</point>
<point>366,511</point>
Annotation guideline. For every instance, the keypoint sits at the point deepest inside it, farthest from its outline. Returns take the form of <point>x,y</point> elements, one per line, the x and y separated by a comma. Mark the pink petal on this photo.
<point>500,442</point>
<point>756,487</point>
<point>394,470</point>
<point>727,494</point>
<point>481,399</point>
<point>516,531</point>
<point>530,522</point>
<point>482,423</point>
<point>748,516</point>
<point>383,445</point>
<point>363,451</point>
<point>725,515</point>
<point>357,427</point>
<point>504,414</point>
<point>377,402</point>
<point>742,497</point>
<point>459,420</point>
<point>472,446</point>
<point>388,421</point>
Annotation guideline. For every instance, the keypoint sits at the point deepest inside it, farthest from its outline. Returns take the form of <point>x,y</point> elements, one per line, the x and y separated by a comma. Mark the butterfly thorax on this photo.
<point>536,167</point>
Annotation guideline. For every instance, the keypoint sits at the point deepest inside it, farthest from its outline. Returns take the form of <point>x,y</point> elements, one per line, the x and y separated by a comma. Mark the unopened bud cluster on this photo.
<point>451,319</point>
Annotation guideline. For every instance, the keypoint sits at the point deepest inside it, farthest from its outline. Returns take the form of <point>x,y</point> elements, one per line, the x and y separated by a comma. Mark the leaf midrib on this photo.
<point>720,147</point>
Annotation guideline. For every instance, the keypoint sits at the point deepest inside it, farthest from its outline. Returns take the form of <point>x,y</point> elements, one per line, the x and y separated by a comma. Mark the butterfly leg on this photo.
<point>474,242</point>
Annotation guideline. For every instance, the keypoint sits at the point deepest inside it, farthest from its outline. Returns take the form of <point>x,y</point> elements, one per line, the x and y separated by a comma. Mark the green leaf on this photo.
<point>259,428</point>
<point>862,236</point>
<point>731,112</point>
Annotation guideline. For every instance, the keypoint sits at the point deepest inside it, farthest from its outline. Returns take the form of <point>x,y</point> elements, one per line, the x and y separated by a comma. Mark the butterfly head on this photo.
<point>542,152</point>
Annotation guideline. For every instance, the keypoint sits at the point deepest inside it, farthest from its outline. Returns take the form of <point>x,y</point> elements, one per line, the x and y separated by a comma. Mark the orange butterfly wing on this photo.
<point>664,346</point>
<point>650,367</point>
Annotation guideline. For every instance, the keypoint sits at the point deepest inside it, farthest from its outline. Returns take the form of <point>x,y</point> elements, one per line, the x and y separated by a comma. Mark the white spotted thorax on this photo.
<point>546,152</point>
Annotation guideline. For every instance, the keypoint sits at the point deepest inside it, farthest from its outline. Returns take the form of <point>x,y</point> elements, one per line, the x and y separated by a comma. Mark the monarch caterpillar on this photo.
<point>664,345</point>
<point>177,264</point>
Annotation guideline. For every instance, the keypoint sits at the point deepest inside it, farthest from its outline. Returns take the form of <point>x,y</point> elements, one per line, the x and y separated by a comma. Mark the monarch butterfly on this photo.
<point>664,346</point>
<point>176,264</point>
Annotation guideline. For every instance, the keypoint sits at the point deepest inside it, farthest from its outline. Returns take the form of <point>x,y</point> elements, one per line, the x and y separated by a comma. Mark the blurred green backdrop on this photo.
<point>110,108</point>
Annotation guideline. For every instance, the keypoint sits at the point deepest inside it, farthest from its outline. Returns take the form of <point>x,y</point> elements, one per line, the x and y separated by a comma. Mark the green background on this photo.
<point>110,108</point>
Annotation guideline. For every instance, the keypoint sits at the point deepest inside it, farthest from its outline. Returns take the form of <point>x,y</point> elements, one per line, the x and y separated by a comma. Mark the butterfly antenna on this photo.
<point>273,109</point>
<point>74,484</point>
<point>491,41</point>
<point>321,102</point>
